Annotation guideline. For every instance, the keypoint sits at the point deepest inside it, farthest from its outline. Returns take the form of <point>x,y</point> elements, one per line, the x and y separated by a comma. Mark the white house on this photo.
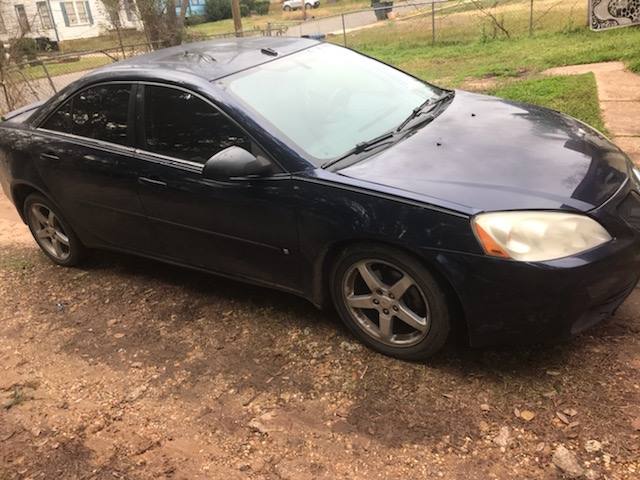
<point>58,20</point>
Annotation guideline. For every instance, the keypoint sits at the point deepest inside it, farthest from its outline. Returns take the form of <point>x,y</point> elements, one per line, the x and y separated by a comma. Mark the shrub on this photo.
<point>195,20</point>
<point>217,10</point>
<point>24,49</point>
<point>261,7</point>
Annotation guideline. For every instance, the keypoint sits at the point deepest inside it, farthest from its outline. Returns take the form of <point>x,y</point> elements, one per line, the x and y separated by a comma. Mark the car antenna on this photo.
<point>269,51</point>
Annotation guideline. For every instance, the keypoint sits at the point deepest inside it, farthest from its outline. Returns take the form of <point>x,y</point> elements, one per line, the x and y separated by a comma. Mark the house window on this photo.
<point>76,13</point>
<point>45,15</point>
<point>129,9</point>
<point>23,21</point>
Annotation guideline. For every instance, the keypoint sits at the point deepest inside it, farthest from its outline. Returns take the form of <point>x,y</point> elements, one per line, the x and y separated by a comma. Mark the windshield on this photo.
<point>327,99</point>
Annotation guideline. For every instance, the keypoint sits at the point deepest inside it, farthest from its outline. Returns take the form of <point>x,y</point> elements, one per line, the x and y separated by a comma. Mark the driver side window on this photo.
<point>180,125</point>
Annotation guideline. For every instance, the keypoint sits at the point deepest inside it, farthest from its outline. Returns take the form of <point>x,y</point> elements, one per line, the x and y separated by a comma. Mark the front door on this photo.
<point>241,227</point>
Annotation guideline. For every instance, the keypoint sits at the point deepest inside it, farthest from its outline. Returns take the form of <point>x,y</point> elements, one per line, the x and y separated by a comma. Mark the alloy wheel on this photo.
<point>49,232</point>
<point>386,303</point>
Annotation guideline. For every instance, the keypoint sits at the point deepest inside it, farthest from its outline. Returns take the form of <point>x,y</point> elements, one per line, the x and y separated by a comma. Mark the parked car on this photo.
<point>412,209</point>
<point>289,5</point>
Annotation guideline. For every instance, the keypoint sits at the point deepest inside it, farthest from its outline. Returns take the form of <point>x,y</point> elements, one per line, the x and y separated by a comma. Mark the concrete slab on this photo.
<point>586,68</point>
<point>618,85</point>
<point>622,118</point>
<point>630,146</point>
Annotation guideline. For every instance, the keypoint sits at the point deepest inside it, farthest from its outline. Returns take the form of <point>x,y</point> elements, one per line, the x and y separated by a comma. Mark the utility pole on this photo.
<point>237,21</point>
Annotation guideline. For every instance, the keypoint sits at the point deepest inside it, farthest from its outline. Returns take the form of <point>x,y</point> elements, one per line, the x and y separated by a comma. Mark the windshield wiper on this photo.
<point>360,147</point>
<point>420,109</point>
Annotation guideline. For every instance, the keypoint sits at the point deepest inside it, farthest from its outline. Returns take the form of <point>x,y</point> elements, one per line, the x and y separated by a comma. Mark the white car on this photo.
<point>289,5</point>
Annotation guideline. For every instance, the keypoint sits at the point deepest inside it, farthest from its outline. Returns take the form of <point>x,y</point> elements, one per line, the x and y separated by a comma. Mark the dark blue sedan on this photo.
<point>313,169</point>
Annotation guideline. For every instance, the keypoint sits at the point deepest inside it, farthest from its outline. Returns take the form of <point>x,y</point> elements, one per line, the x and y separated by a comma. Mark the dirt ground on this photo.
<point>130,369</point>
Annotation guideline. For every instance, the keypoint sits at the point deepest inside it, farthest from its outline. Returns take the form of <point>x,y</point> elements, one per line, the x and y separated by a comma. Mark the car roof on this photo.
<point>211,59</point>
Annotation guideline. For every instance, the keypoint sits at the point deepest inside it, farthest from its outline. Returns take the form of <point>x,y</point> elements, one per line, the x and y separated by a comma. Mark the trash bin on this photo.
<point>382,9</point>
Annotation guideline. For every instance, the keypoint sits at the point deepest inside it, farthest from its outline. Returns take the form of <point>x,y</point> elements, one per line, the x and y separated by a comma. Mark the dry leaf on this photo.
<point>516,412</point>
<point>563,417</point>
<point>553,373</point>
<point>572,412</point>
<point>485,407</point>
<point>527,415</point>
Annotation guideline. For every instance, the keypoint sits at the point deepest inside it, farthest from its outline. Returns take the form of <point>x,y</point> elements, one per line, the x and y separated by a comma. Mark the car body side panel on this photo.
<point>332,214</point>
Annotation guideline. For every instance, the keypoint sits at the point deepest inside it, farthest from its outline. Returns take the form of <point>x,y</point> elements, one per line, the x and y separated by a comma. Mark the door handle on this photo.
<point>49,156</point>
<point>152,181</point>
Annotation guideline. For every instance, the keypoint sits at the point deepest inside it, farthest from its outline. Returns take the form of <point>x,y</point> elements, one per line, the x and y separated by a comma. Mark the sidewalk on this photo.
<point>619,96</point>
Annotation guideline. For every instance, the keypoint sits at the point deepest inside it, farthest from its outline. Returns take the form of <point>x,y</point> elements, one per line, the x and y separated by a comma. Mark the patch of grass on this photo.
<point>451,64</point>
<point>15,262</point>
<point>575,95</point>
<point>61,68</point>
<point>634,65</point>
<point>102,42</point>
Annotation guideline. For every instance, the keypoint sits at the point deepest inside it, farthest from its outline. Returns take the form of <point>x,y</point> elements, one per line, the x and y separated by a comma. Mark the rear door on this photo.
<point>86,160</point>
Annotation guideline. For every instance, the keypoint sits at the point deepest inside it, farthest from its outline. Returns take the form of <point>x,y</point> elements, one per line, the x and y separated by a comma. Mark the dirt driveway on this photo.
<point>130,369</point>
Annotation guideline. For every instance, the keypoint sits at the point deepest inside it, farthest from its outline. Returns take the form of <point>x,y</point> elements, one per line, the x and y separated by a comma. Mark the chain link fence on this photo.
<point>451,21</point>
<point>401,23</point>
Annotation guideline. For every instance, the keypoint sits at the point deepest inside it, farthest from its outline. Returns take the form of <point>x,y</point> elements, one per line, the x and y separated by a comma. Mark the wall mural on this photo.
<point>614,13</point>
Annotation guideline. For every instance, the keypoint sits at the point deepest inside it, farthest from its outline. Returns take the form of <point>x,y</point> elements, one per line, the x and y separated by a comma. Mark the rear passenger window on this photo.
<point>99,112</point>
<point>178,124</point>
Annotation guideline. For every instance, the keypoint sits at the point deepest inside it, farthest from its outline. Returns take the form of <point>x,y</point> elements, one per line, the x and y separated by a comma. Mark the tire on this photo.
<point>286,8</point>
<point>52,232</point>
<point>401,311</point>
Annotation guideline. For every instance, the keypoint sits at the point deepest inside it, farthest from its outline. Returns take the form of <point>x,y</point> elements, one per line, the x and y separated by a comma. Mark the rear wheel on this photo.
<point>51,232</point>
<point>287,8</point>
<point>391,302</point>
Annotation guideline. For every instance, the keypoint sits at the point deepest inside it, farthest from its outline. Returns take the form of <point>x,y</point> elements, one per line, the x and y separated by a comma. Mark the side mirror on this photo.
<point>234,162</point>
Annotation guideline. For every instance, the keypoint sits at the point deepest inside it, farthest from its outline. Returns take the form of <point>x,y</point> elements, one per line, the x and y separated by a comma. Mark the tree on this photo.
<point>112,7</point>
<point>162,25</point>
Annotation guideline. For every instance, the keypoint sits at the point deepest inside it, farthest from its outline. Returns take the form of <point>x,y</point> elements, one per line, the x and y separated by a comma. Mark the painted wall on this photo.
<point>72,20</point>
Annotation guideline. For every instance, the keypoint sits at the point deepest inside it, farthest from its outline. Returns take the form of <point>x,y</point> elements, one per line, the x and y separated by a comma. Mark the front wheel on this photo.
<point>286,8</point>
<point>51,232</point>
<point>391,302</point>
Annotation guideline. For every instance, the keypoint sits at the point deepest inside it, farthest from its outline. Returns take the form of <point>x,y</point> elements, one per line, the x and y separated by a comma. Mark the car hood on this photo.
<point>483,153</point>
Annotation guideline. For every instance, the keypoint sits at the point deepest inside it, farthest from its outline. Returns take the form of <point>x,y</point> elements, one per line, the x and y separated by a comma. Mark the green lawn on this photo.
<point>575,95</point>
<point>62,68</point>
<point>452,64</point>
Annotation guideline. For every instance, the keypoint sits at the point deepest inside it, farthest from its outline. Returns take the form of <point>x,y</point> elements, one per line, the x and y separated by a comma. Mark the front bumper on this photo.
<point>508,302</point>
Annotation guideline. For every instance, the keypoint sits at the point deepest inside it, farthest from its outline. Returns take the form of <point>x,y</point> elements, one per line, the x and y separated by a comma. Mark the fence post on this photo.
<point>46,72</point>
<point>433,22</point>
<point>344,32</point>
<point>531,20</point>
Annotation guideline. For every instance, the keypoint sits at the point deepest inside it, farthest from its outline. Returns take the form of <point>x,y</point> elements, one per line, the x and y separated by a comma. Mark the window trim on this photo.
<point>104,144</point>
<point>136,119</point>
<point>27,27</point>
<point>75,13</point>
<point>49,16</point>
<point>140,126</point>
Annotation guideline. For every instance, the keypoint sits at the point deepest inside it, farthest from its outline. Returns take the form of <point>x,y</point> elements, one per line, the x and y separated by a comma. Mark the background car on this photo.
<point>413,210</point>
<point>289,5</point>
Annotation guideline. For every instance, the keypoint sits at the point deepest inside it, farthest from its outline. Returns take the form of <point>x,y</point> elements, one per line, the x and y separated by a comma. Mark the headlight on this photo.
<point>537,236</point>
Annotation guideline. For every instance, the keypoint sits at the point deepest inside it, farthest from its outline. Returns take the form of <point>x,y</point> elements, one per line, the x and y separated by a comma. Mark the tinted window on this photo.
<point>179,124</point>
<point>99,112</point>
